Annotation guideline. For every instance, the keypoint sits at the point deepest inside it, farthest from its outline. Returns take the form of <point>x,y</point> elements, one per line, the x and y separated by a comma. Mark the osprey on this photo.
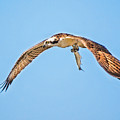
<point>106,60</point>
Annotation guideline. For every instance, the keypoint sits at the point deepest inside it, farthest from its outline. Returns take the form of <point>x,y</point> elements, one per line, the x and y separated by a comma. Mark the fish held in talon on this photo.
<point>78,59</point>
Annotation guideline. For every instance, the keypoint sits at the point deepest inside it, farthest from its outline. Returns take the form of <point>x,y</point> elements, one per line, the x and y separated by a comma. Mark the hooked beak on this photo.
<point>44,46</point>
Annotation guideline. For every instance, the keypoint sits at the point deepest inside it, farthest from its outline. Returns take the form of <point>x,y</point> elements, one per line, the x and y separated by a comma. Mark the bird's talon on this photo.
<point>75,49</point>
<point>72,50</point>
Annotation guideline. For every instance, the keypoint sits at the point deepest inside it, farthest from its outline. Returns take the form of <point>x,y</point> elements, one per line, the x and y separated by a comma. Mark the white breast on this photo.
<point>66,42</point>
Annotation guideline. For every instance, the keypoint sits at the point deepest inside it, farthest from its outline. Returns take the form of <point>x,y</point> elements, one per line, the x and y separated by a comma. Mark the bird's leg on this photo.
<point>77,55</point>
<point>75,48</point>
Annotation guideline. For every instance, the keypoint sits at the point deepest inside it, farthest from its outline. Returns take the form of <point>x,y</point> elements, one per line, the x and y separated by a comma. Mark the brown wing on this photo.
<point>109,63</point>
<point>22,62</point>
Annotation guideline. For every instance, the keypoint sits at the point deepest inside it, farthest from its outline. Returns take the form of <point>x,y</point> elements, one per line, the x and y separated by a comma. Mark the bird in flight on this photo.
<point>106,60</point>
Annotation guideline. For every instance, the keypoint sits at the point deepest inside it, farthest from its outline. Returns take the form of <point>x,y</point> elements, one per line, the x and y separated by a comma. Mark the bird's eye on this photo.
<point>47,42</point>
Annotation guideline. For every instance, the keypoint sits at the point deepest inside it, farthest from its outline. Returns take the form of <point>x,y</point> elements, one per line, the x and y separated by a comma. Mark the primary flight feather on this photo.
<point>108,62</point>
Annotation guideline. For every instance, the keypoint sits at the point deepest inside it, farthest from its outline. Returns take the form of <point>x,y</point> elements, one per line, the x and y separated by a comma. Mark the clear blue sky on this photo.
<point>52,87</point>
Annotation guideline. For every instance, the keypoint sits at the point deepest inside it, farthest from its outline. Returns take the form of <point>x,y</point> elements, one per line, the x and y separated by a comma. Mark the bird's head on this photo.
<point>52,41</point>
<point>56,39</point>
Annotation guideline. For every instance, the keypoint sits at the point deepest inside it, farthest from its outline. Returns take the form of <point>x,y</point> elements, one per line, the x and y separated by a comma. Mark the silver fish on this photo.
<point>77,56</point>
<point>78,59</point>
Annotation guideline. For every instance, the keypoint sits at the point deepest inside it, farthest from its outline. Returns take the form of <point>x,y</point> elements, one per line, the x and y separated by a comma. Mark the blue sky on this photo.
<point>52,87</point>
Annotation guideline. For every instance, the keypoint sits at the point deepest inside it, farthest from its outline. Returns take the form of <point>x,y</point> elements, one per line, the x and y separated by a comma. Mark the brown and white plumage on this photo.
<point>109,63</point>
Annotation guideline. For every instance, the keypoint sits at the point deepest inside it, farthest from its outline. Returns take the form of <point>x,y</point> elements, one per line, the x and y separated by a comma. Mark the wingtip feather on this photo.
<point>4,85</point>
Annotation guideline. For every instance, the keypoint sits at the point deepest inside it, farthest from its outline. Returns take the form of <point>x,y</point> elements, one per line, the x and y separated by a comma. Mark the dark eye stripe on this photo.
<point>54,42</point>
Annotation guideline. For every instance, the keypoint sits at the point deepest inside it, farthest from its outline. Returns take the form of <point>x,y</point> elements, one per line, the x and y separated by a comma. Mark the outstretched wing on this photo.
<point>22,62</point>
<point>110,64</point>
<point>106,60</point>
